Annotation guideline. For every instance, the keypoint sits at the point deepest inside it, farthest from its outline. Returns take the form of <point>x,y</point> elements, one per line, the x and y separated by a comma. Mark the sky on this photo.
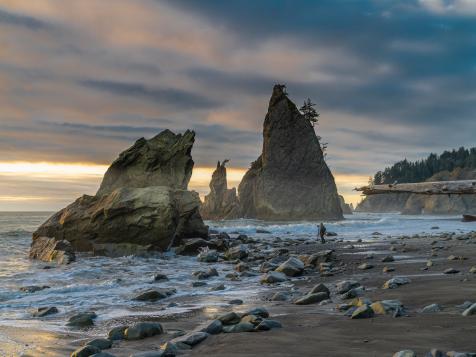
<point>81,80</point>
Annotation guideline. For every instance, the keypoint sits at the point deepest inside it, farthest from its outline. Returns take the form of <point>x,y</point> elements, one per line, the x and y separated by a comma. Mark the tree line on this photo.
<point>417,171</point>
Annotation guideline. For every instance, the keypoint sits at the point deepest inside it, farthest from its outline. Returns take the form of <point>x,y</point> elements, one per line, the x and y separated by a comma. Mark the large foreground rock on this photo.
<point>290,180</point>
<point>149,212</point>
<point>221,202</point>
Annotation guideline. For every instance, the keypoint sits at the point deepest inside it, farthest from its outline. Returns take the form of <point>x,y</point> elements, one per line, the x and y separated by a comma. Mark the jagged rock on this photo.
<point>52,250</point>
<point>290,180</point>
<point>143,201</point>
<point>221,202</point>
<point>291,267</point>
<point>346,208</point>
<point>164,160</point>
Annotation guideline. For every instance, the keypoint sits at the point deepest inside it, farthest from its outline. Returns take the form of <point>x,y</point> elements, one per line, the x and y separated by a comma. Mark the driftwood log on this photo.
<point>462,187</point>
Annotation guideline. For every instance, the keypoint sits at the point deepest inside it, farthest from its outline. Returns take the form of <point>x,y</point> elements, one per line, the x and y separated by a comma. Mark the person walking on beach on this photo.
<point>322,232</point>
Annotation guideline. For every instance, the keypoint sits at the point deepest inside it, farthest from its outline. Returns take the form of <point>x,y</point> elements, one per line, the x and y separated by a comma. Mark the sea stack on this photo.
<point>221,202</point>
<point>142,205</point>
<point>290,179</point>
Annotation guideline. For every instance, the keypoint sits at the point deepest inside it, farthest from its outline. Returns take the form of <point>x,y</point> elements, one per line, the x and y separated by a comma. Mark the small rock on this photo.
<point>160,277</point>
<point>85,319</point>
<point>150,295</point>
<point>312,298</point>
<point>346,285</point>
<point>101,343</point>
<point>280,296</point>
<point>365,266</point>
<point>470,310</point>
<point>388,269</point>
<point>208,256</point>
<point>218,287</point>
<point>291,267</point>
<point>431,309</point>
<point>472,270</point>
<point>45,311</point>
<point>117,333</point>
<point>102,354</point>
<point>192,338</point>
<point>396,282</point>
<point>273,277</point>
<point>236,302</point>
<point>363,312</point>
<point>388,259</point>
<point>258,311</point>
<point>238,252</point>
<point>213,328</point>
<point>267,324</point>
<point>157,353</point>
<point>405,353</point>
<point>33,288</point>
<point>239,327</point>
<point>85,351</point>
<point>451,271</point>
<point>435,353</point>
<point>142,330</point>
<point>229,318</point>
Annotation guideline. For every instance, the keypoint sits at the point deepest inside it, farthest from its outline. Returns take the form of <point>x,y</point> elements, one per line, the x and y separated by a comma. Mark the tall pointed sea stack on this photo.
<point>290,180</point>
<point>221,202</point>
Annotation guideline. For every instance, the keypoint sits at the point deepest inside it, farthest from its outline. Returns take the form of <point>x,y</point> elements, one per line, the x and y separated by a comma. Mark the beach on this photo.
<point>314,329</point>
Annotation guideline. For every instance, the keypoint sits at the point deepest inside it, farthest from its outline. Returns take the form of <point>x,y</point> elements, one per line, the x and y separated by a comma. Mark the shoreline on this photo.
<point>308,329</point>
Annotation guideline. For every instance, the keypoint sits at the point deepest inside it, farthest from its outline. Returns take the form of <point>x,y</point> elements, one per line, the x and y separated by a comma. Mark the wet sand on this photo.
<point>315,330</point>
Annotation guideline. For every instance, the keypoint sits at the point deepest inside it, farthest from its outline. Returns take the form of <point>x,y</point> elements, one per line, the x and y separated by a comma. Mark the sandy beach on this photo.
<point>320,329</point>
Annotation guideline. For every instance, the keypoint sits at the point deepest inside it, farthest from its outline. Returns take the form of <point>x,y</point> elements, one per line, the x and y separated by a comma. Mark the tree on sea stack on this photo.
<point>309,112</point>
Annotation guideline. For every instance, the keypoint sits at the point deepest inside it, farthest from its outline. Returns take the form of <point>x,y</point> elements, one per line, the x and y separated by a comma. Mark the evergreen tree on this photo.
<point>309,112</point>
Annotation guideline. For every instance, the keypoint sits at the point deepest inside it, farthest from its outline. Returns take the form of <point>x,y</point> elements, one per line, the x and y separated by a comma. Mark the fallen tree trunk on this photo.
<point>462,187</point>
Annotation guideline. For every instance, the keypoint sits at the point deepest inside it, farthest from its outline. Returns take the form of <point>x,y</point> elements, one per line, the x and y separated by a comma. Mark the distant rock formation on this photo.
<point>424,204</point>
<point>290,180</point>
<point>142,204</point>
<point>221,202</point>
<point>346,208</point>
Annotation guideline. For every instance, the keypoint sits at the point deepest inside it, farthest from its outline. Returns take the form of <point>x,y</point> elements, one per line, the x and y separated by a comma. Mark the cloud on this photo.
<point>31,23</point>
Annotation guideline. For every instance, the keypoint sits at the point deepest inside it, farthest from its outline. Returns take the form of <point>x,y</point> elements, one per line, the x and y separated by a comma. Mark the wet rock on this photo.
<point>170,349</point>
<point>365,266</point>
<point>273,277</point>
<point>470,310</point>
<point>312,298</point>
<point>267,267</point>
<point>388,269</point>
<point>435,353</point>
<point>192,338</point>
<point>117,333</point>
<point>160,277</point>
<point>218,288</point>
<point>142,330</point>
<point>320,257</point>
<point>268,324</point>
<point>472,270</point>
<point>396,282</point>
<point>84,319</point>
<point>257,311</point>
<point>235,302</point>
<point>197,284</point>
<point>252,319</point>
<point>344,286</point>
<point>213,328</point>
<point>237,252</point>
<point>49,249</point>
<point>388,259</point>
<point>405,353</point>
<point>239,327</point>
<point>154,295</point>
<point>229,318</point>
<point>192,246</point>
<point>241,267</point>
<point>431,309</point>
<point>102,354</point>
<point>156,353</point>
<point>394,307</point>
<point>85,351</point>
<point>451,271</point>
<point>280,296</point>
<point>45,311</point>
<point>353,293</point>
<point>291,267</point>
<point>33,288</point>
<point>101,343</point>
<point>208,256</point>
<point>363,312</point>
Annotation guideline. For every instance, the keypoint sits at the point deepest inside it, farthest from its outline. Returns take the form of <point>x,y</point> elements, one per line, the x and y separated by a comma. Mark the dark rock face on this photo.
<point>346,208</point>
<point>221,202</point>
<point>134,218</point>
<point>392,202</point>
<point>290,180</point>
<point>52,250</point>
<point>164,160</point>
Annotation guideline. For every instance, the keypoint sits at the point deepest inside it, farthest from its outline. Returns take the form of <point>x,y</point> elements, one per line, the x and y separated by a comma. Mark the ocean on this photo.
<point>107,285</point>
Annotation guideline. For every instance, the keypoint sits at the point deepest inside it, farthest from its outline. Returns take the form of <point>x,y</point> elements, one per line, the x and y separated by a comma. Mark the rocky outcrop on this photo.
<point>150,212</point>
<point>290,180</point>
<point>164,160</point>
<point>425,204</point>
<point>221,202</point>
<point>52,250</point>
<point>346,208</point>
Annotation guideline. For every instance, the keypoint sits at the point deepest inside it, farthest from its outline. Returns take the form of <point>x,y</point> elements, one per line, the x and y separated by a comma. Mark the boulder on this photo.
<point>192,246</point>
<point>291,267</point>
<point>267,325</point>
<point>229,318</point>
<point>221,202</point>
<point>192,338</point>
<point>363,312</point>
<point>84,319</point>
<point>312,298</point>
<point>52,250</point>
<point>320,288</point>
<point>142,330</point>
<point>142,204</point>
<point>346,285</point>
<point>117,333</point>
<point>239,327</point>
<point>101,343</point>
<point>213,328</point>
<point>290,179</point>
<point>237,252</point>
<point>273,277</point>
<point>85,351</point>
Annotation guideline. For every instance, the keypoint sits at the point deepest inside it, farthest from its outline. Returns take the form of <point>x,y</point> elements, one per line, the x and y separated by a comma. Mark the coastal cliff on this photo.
<point>143,203</point>
<point>290,179</point>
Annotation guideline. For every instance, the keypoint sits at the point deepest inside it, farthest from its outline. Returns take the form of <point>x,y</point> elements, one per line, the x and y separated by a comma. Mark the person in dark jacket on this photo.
<point>322,232</point>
